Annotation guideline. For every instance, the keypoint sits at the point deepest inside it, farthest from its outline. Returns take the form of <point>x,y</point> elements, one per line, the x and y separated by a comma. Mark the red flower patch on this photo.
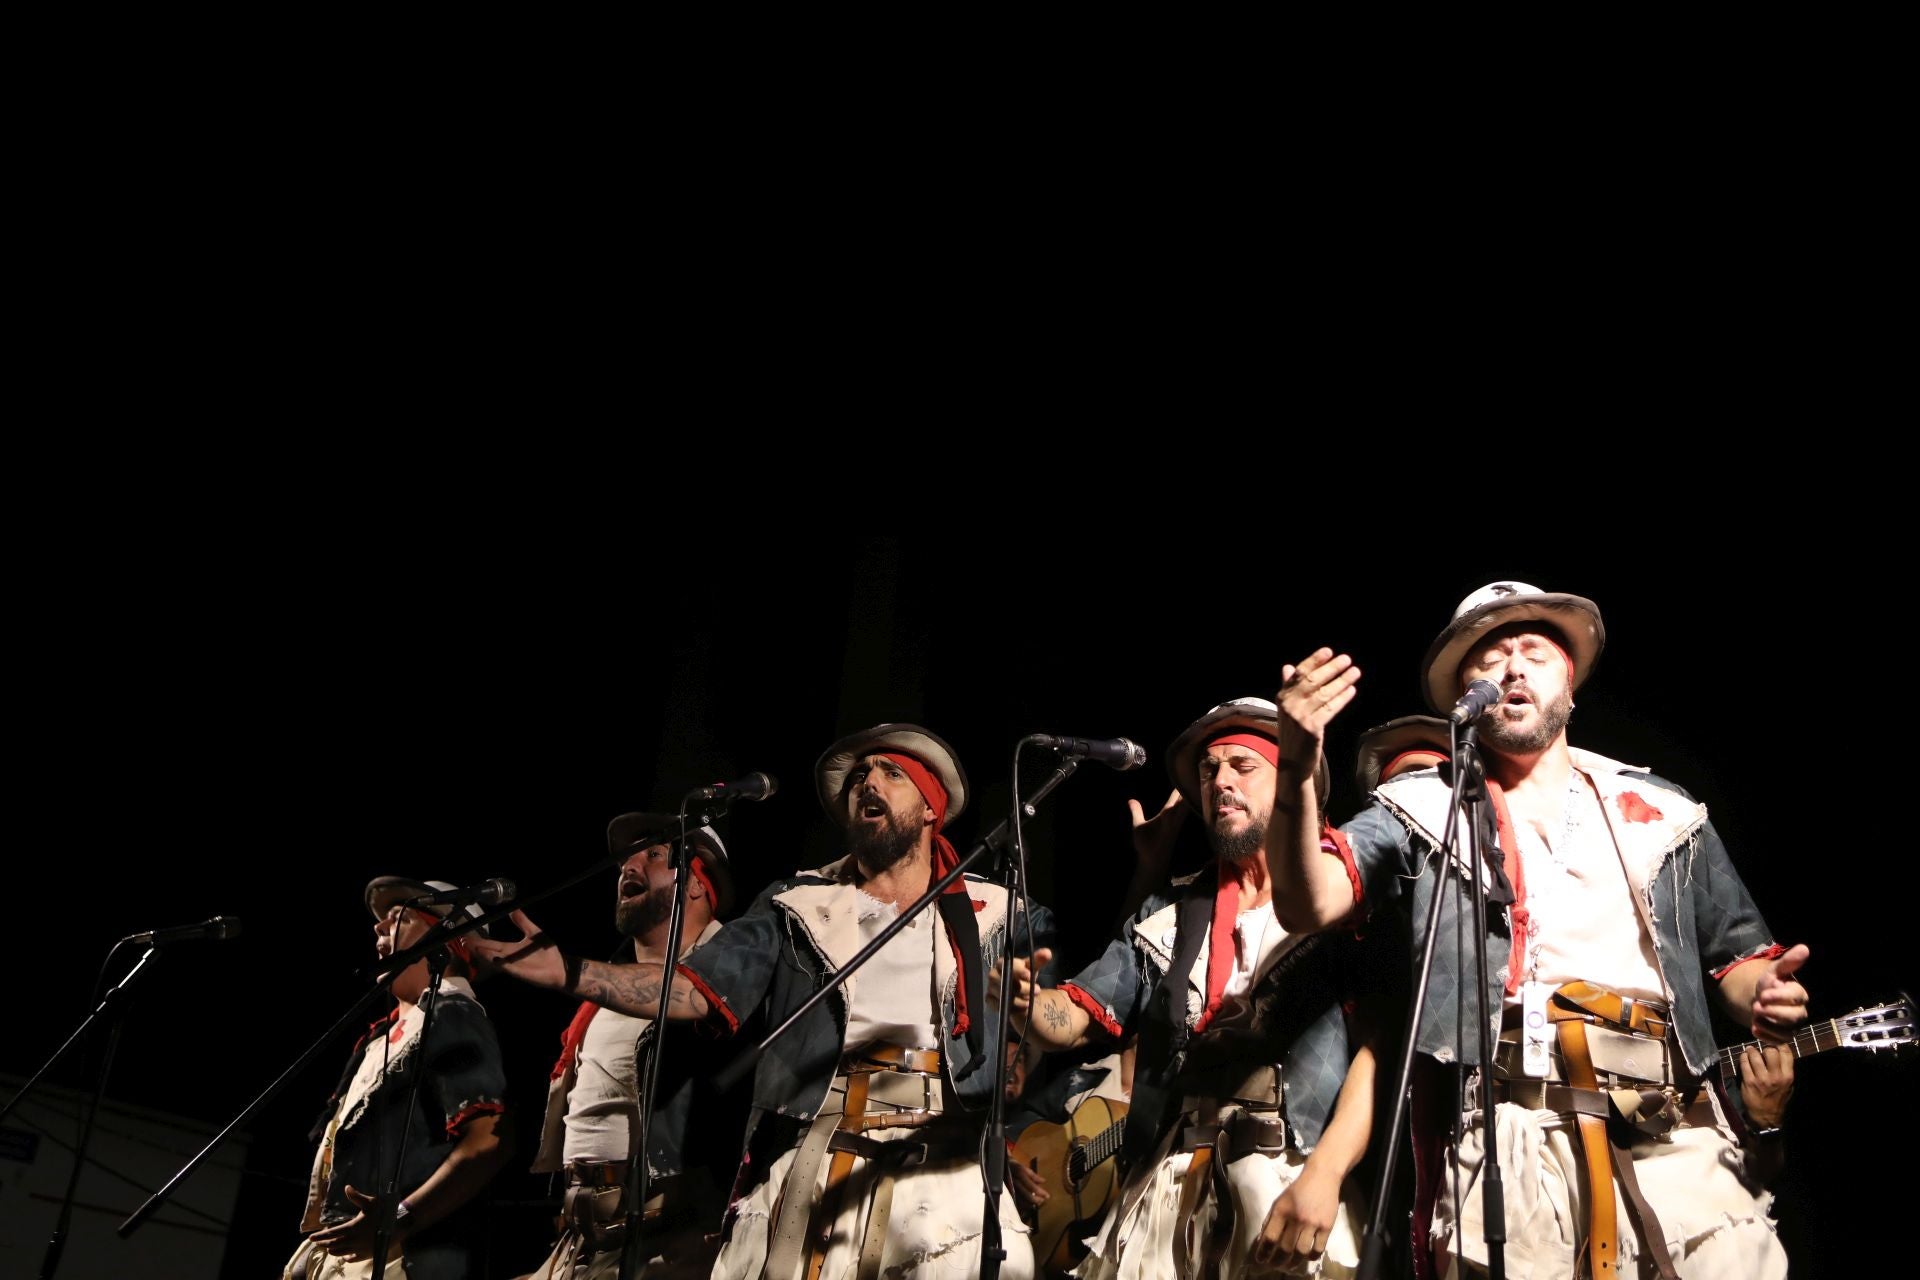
<point>1634,809</point>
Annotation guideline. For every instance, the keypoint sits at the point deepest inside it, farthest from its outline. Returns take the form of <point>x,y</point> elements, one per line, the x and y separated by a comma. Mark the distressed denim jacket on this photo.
<point>1298,1023</point>
<point>797,933</point>
<point>1691,900</point>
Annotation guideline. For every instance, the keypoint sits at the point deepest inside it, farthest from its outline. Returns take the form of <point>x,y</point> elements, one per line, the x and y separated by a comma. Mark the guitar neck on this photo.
<point>1816,1037</point>
<point>1099,1149</point>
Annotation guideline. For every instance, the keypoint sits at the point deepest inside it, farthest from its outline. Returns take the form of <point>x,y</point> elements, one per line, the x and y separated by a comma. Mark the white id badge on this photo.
<point>1536,1033</point>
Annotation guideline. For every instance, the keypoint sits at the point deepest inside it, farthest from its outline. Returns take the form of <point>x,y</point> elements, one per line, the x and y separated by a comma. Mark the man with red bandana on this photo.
<point>1614,915</point>
<point>593,1099</point>
<point>863,1151</point>
<point>1249,1106</point>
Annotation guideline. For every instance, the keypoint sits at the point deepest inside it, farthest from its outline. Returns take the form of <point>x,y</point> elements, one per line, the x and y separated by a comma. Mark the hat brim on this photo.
<point>1183,757</point>
<point>639,830</point>
<point>1383,744</point>
<point>837,761</point>
<point>1576,618</point>
<point>384,893</point>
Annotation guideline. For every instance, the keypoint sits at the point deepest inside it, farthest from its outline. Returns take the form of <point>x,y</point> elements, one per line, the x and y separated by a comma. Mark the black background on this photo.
<point>254,708</point>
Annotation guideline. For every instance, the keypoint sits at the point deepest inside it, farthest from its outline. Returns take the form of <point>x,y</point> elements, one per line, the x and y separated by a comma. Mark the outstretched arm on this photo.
<point>1310,891</point>
<point>630,988</point>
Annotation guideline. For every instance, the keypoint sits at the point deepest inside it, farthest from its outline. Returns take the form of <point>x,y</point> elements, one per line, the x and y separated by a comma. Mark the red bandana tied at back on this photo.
<point>1226,899</point>
<point>944,858</point>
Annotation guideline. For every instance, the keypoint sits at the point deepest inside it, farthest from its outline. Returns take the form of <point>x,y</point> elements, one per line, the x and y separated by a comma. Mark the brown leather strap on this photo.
<point>1603,1227</point>
<point>1266,1135</point>
<point>891,1057</point>
<point>1651,1235</point>
<point>820,1230</point>
<point>1573,999</point>
<point>1191,1188</point>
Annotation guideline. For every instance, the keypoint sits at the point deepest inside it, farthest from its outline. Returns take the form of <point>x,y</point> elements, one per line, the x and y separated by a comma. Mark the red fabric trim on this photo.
<point>1095,1010</point>
<point>1266,748</point>
<point>374,1029</point>
<point>469,1113</point>
<point>1333,840</point>
<point>1765,953</point>
<point>571,1038</point>
<point>1517,876</point>
<point>713,997</point>
<point>1226,911</point>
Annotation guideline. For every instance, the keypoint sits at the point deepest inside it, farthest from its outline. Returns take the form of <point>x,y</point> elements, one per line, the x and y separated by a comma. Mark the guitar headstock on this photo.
<point>1883,1026</point>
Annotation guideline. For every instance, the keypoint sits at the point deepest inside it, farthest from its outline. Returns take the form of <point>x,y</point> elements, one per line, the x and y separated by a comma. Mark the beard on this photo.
<point>1239,847</point>
<point>636,916</point>
<point>1503,737</point>
<point>879,846</point>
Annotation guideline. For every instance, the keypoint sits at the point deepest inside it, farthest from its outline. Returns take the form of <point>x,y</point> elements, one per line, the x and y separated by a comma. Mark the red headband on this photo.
<point>1266,748</point>
<point>700,874</point>
<point>923,778</point>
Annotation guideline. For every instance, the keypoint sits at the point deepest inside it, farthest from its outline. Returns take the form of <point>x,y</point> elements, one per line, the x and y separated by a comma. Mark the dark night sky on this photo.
<point>213,724</point>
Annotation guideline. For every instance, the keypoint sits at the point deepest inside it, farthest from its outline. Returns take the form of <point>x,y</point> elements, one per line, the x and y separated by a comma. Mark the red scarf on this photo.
<point>1517,877</point>
<point>1226,913</point>
<point>1226,898</point>
<point>573,1036</point>
<point>944,858</point>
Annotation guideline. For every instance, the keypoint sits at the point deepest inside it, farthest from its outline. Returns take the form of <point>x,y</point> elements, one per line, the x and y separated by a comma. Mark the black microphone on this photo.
<point>1480,695</point>
<point>1115,753</point>
<point>217,929</point>
<point>488,893</point>
<point>755,786</point>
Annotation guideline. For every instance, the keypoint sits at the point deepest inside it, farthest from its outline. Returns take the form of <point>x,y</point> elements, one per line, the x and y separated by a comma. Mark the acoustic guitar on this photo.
<point>1075,1161</point>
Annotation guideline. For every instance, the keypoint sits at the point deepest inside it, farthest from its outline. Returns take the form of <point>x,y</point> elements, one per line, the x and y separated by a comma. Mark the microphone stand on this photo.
<point>637,1172</point>
<point>115,1007</point>
<point>387,1205</point>
<point>991,1252</point>
<point>1468,801</point>
<point>994,1141</point>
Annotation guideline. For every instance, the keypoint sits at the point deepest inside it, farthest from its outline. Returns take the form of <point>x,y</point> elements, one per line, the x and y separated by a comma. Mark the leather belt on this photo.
<point>596,1173</point>
<point>892,1057</point>
<point>1591,1000</point>
<point>1584,1015</point>
<point>1258,1087</point>
<point>1617,1056</point>
<point>1216,1141</point>
<point>1246,1134</point>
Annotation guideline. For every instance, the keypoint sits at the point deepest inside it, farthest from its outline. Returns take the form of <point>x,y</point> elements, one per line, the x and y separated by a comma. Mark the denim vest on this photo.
<point>796,934</point>
<point>1299,1022</point>
<point>1690,899</point>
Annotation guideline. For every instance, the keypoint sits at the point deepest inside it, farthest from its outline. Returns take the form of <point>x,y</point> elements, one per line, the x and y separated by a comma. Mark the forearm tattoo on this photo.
<point>635,989</point>
<point>1054,1016</point>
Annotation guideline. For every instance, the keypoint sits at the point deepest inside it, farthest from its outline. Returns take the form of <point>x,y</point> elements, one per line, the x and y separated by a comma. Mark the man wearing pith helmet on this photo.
<point>863,1152</point>
<point>1616,916</point>
<point>1246,1117</point>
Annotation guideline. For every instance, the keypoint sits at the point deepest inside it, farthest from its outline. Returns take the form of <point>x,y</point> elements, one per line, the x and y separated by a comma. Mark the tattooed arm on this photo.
<point>631,988</point>
<point>1049,1015</point>
<point>635,989</point>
